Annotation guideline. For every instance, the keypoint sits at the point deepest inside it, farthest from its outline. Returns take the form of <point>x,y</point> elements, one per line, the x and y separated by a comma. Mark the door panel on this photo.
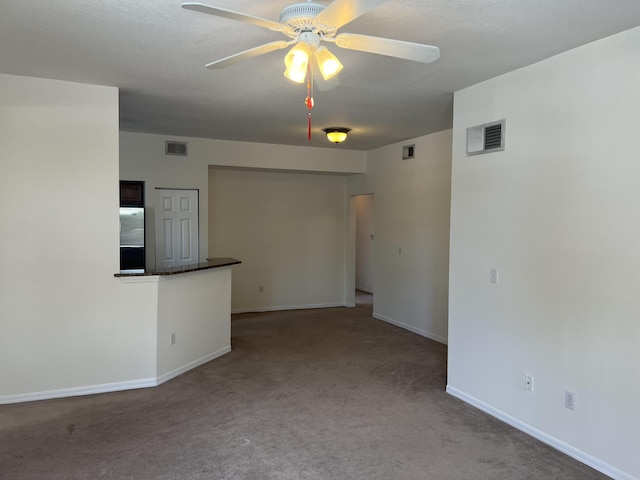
<point>185,243</point>
<point>167,233</point>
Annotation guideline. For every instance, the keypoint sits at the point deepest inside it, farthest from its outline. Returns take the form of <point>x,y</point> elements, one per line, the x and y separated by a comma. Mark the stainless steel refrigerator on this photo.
<point>132,239</point>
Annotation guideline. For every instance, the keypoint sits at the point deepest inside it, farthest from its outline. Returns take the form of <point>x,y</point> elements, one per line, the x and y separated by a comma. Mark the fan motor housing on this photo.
<point>301,16</point>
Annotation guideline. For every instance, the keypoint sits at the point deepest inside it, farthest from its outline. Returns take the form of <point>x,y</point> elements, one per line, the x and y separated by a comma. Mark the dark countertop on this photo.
<point>194,267</point>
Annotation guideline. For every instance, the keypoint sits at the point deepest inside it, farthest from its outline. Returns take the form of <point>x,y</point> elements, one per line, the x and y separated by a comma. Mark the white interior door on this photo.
<point>176,227</point>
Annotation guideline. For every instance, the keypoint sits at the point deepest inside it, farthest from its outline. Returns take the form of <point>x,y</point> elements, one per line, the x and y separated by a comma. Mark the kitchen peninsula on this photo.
<point>193,311</point>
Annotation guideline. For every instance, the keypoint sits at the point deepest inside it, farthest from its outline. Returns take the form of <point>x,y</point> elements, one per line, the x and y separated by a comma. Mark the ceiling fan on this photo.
<point>308,25</point>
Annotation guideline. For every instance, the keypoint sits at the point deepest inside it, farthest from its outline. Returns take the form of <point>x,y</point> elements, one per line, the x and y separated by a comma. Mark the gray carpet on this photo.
<point>310,394</point>
<point>364,297</point>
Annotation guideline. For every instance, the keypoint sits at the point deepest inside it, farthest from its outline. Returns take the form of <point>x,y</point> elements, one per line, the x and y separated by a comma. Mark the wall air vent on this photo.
<point>175,148</point>
<point>486,138</point>
<point>408,151</point>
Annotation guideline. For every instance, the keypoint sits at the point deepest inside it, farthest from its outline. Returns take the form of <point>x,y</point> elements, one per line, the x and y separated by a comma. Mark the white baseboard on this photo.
<point>76,391</point>
<point>543,437</point>
<point>411,328</point>
<point>111,387</point>
<point>290,307</point>
<point>364,289</point>
<point>165,377</point>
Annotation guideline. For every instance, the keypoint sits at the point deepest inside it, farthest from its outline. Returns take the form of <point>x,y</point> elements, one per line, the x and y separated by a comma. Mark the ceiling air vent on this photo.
<point>486,138</point>
<point>175,148</point>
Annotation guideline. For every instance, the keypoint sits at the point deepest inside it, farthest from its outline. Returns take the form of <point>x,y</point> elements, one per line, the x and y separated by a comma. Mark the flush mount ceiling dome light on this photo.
<point>337,134</point>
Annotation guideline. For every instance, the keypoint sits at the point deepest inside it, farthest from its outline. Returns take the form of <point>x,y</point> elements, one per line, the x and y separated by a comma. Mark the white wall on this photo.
<point>557,214</point>
<point>60,305</point>
<point>411,217</point>
<point>364,205</point>
<point>196,308</point>
<point>288,229</point>
<point>142,157</point>
<point>66,322</point>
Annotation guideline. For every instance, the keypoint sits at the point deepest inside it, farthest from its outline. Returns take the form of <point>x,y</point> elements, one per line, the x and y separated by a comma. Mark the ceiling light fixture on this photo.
<point>306,51</point>
<point>308,24</point>
<point>328,63</point>
<point>337,134</point>
<point>300,63</point>
<point>297,61</point>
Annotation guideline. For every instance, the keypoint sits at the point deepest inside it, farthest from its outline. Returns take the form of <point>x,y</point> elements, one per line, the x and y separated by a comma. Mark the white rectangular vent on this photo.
<point>175,148</point>
<point>408,151</point>
<point>486,138</point>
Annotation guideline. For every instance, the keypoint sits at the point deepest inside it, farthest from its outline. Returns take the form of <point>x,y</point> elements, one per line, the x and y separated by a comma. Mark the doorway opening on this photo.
<point>364,233</point>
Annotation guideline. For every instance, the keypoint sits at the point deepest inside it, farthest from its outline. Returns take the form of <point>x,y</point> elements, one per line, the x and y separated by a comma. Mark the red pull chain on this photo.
<point>309,100</point>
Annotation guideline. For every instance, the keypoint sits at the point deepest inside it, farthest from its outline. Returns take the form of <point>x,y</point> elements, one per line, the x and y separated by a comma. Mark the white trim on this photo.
<point>543,437</point>
<point>290,307</point>
<point>191,365</point>
<point>362,289</point>
<point>111,387</point>
<point>76,391</point>
<point>411,328</point>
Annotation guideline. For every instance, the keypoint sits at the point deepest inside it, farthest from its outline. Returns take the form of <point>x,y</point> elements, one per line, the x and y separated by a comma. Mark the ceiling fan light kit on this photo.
<point>307,25</point>
<point>297,61</point>
<point>337,134</point>
<point>328,63</point>
<point>299,57</point>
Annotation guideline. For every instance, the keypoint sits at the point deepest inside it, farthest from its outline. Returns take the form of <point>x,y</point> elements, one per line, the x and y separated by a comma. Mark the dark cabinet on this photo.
<point>131,193</point>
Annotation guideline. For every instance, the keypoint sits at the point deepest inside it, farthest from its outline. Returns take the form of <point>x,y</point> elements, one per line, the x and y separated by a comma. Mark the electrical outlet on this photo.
<point>569,400</point>
<point>528,383</point>
<point>173,338</point>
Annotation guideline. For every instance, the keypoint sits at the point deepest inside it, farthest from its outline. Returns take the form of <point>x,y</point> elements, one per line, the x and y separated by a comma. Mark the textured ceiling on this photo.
<point>154,52</point>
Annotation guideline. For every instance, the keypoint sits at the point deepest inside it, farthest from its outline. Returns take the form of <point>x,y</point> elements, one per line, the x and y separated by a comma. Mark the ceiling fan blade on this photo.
<point>341,12</point>
<point>387,46</point>
<point>247,54</point>
<point>242,17</point>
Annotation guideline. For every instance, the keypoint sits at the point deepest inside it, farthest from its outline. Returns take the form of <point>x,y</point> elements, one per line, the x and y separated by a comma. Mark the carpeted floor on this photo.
<point>311,394</point>
<point>364,297</point>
